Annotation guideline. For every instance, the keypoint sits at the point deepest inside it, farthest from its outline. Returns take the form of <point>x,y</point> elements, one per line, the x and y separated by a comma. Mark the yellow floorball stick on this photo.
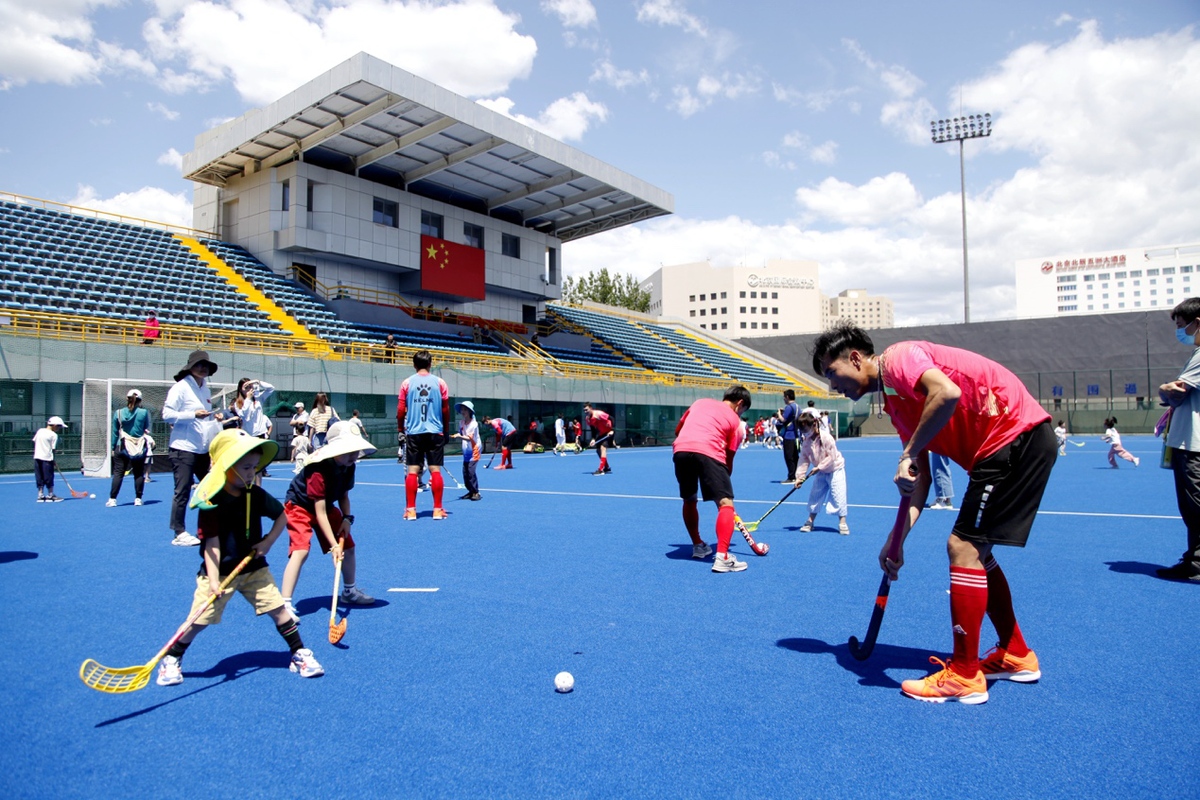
<point>130,679</point>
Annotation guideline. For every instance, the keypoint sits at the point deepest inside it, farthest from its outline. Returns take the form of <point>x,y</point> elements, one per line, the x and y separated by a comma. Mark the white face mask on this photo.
<point>1184,337</point>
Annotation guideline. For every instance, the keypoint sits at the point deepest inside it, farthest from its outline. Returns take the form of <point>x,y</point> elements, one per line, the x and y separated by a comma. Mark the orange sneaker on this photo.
<point>1001,665</point>
<point>410,513</point>
<point>946,684</point>
<point>439,513</point>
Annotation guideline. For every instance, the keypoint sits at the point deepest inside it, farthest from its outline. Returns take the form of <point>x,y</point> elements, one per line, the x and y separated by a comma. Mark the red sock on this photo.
<point>604,463</point>
<point>968,602</point>
<point>691,520</point>
<point>1000,610</point>
<point>505,456</point>
<point>436,484</point>
<point>410,490</point>
<point>724,528</point>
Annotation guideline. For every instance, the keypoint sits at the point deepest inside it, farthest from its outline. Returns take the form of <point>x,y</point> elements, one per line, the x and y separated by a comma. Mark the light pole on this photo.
<point>959,129</point>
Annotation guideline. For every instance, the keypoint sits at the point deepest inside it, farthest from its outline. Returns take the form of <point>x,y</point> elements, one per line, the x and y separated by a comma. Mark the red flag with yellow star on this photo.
<point>452,268</point>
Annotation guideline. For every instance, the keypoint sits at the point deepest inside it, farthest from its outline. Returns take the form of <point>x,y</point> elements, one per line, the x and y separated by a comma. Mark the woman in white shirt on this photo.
<point>188,410</point>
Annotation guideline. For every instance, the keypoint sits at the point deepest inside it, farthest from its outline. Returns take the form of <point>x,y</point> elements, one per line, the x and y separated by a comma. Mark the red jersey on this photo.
<point>710,428</point>
<point>994,408</point>
<point>601,422</point>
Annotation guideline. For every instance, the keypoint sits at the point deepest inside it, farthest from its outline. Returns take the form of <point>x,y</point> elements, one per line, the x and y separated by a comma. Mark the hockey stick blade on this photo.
<point>759,548</point>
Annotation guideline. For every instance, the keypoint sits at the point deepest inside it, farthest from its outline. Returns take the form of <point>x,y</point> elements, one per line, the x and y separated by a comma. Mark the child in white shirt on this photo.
<point>1113,437</point>
<point>44,442</point>
<point>301,447</point>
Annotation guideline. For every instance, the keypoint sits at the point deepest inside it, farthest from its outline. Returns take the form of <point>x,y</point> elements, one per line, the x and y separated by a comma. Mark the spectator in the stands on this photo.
<point>477,333</point>
<point>419,311</point>
<point>389,348</point>
<point>319,419</point>
<point>150,332</point>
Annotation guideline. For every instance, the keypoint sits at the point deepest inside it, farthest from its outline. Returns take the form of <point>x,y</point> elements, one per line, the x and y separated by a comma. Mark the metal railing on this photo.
<point>51,205</point>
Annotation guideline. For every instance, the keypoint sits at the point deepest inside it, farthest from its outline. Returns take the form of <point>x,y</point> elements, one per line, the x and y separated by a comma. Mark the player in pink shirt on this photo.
<point>602,435</point>
<point>980,415</point>
<point>706,439</point>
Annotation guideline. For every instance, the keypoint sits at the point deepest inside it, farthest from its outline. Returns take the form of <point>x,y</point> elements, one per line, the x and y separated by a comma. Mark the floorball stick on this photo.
<point>74,493</point>
<point>759,548</point>
<point>130,679</point>
<point>862,651</point>
<point>753,526</point>
<point>336,629</point>
<point>1078,444</point>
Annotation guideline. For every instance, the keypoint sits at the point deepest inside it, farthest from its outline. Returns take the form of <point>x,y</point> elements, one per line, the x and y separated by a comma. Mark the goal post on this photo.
<point>101,400</point>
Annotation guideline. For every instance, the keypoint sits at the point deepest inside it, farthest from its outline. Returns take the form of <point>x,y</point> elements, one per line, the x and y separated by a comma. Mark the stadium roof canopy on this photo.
<point>369,118</point>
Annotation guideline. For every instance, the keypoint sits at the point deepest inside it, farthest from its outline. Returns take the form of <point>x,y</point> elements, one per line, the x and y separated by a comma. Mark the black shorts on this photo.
<point>425,448</point>
<point>513,440</point>
<point>710,474</point>
<point>606,440</point>
<point>1005,489</point>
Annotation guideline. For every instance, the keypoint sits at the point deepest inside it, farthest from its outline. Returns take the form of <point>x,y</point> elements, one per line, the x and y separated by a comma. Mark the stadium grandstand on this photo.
<point>367,203</point>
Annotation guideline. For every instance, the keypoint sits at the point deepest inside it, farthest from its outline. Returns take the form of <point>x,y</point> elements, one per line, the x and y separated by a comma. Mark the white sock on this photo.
<point>347,587</point>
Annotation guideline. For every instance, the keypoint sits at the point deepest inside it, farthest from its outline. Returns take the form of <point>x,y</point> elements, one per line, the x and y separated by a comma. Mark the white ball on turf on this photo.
<point>564,682</point>
<point>93,495</point>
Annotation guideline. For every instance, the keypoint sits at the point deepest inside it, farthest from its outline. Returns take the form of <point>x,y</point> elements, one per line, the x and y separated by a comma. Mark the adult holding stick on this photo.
<point>980,415</point>
<point>194,424</point>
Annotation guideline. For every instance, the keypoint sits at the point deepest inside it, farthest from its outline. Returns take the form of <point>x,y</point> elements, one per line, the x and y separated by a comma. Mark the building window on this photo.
<point>774,295</point>
<point>723,311</point>
<point>287,195</point>
<point>774,326</point>
<point>691,298</point>
<point>722,295</point>
<point>742,295</point>
<point>701,298</point>
<point>1168,271</point>
<point>510,245</point>
<point>743,326</point>
<point>692,313</point>
<point>753,326</point>
<point>1105,306</point>
<point>1135,273</point>
<point>1184,270</point>
<point>385,212</point>
<point>702,326</point>
<point>1087,278</point>
<point>1120,275</point>
<point>1103,276</point>
<point>1150,272</point>
<point>713,312</point>
<point>432,225</point>
<point>1152,292</point>
<point>742,310</point>
<point>774,310</point>
<point>473,235</point>
<point>753,295</point>
<point>724,325</point>
<point>308,197</point>
<point>702,312</point>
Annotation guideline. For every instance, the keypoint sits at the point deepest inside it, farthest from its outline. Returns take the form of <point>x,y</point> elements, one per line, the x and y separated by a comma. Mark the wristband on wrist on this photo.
<point>348,518</point>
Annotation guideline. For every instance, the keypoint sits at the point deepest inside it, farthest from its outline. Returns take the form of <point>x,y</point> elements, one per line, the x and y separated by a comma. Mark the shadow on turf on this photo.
<point>872,671</point>
<point>9,556</point>
<point>227,669</point>
<point>1134,568</point>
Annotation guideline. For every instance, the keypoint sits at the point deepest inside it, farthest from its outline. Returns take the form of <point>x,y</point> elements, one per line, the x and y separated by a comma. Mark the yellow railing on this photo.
<point>51,205</point>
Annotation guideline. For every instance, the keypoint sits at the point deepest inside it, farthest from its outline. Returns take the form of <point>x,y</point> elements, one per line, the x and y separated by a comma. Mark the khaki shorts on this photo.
<point>258,587</point>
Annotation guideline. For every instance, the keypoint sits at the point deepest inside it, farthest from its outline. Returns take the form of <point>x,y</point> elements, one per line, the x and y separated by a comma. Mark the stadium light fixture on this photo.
<point>959,129</point>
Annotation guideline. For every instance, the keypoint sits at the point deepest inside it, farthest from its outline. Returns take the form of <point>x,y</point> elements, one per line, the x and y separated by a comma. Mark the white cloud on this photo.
<point>906,114</point>
<point>710,88</point>
<point>823,153</point>
<point>468,46</point>
<point>607,72</point>
<point>148,203</point>
<point>567,118</point>
<point>172,158</point>
<point>1109,128</point>
<point>670,13</point>
<point>812,100</point>
<point>163,111</point>
<point>572,13</point>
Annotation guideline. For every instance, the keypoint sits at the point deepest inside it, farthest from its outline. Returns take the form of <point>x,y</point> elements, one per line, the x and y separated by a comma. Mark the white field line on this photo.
<point>412,590</point>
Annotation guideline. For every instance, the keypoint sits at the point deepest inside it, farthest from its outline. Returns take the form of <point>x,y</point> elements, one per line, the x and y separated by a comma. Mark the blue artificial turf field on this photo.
<point>688,684</point>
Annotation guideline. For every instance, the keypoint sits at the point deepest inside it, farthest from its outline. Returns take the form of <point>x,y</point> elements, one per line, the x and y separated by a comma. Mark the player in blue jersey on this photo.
<point>421,415</point>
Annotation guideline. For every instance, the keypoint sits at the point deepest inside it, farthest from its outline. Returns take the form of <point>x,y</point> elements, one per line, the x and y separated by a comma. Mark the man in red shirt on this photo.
<point>979,414</point>
<point>602,435</point>
<point>706,439</point>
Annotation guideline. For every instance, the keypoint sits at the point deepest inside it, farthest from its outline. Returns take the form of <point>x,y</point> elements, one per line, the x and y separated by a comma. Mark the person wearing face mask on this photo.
<point>819,449</point>
<point>1183,436</point>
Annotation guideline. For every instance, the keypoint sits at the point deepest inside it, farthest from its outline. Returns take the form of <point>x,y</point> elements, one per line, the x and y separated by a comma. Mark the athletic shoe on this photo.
<point>599,472</point>
<point>843,528</point>
<point>356,597</point>
<point>1137,462</point>
<point>727,564</point>
<point>112,503</point>
<point>410,513</point>
<point>185,539</point>
<point>1183,571</point>
<point>169,671</point>
<point>608,470</point>
<point>476,496</point>
<point>53,498</point>
<point>807,526</point>
<point>439,513</point>
<point>701,551</point>
<point>1001,665</point>
<point>946,684</point>
<point>466,496</point>
<point>942,504</point>
<point>503,467</point>
<point>304,663</point>
<point>137,501</point>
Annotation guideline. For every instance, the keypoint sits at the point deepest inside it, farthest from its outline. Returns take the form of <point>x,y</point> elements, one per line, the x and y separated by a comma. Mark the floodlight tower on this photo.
<point>959,129</point>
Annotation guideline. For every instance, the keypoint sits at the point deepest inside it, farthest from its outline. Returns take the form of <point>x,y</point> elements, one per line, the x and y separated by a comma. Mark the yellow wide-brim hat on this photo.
<point>227,449</point>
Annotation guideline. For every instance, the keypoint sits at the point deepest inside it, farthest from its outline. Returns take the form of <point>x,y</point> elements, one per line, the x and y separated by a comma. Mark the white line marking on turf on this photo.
<point>412,590</point>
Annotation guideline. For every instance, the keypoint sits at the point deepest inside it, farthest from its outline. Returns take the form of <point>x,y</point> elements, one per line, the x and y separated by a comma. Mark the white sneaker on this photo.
<point>356,597</point>
<point>304,663</point>
<point>112,503</point>
<point>169,671</point>
<point>137,501</point>
<point>728,564</point>
<point>1137,462</point>
<point>185,539</point>
<point>807,526</point>
<point>701,551</point>
<point>843,528</point>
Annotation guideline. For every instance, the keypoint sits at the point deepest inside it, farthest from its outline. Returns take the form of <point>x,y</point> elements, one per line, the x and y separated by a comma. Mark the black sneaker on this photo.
<point>1183,571</point>
<point>475,496</point>
<point>466,496</point>
<point>598,472</point>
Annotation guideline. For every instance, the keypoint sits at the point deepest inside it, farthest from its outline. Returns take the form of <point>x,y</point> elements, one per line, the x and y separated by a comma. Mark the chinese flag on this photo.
<point>452,268</point>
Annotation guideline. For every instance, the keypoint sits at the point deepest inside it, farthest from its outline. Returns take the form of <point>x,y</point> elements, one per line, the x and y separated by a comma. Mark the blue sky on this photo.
<point>783,129</point>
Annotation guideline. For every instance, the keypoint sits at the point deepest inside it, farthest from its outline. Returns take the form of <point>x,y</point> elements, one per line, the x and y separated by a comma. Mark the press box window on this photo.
<point>510,245</point>
<point>432,225</point>
<point>473,235</point>
<point>385,212</point>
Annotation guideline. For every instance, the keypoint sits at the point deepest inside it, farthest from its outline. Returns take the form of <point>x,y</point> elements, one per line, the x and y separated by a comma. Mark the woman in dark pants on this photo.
<point>129,446</point>
<point>188,410</point>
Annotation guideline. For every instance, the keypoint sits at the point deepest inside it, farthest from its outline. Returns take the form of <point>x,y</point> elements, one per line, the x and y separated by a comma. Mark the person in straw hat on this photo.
<point>327,478</point>
<point>188,410</point>
<point>232,508</point>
